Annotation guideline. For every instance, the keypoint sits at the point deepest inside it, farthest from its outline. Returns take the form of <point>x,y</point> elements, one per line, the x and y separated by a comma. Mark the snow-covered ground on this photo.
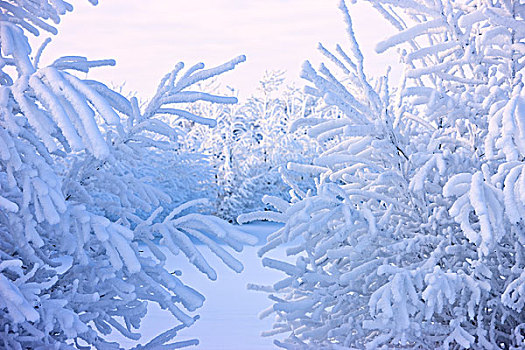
<point>229,315</point>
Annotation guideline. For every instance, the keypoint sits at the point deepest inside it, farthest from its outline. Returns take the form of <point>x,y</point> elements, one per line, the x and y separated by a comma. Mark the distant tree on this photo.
<point>414,236</point>
<point>254,141</point>
<point>83,232</point>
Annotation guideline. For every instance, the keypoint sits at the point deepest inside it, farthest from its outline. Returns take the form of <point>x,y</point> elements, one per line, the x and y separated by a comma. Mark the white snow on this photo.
<point>229,317</point>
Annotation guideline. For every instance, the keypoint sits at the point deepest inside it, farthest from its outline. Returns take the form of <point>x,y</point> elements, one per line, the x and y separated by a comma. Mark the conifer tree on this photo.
<point>414,236</point>
<point>253,142</point>
<point>83,230</point>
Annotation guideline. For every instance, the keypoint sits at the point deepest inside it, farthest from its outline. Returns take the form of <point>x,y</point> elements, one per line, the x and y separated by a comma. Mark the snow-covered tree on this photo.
<point>253,142</point>
<point>258,144</point>
<point>85,228</point>
<point>414,236</point>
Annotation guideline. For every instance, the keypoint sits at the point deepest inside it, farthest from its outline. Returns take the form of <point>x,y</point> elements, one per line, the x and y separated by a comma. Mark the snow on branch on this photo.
<point>413,236</point>
<point>87,219</point>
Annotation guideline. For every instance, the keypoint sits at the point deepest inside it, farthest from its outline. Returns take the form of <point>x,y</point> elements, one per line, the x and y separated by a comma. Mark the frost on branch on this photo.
<point>85,226</point>
<point>252,144</point>
<point>414,236</point>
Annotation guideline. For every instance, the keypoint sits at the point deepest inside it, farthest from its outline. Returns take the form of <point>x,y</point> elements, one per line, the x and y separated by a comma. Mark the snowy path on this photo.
<point>229,316</point>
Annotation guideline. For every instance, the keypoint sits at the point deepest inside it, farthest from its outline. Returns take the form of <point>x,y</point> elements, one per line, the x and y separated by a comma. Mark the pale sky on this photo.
<point>147,38</point>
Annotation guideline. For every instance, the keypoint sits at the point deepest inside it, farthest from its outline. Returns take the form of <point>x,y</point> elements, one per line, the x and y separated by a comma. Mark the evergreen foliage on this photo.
<point>414,235</point>
<point>85,226</point>
<point>254,141</point>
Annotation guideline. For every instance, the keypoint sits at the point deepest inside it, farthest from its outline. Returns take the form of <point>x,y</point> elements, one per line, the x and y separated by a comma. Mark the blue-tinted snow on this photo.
<point>229,315</point>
